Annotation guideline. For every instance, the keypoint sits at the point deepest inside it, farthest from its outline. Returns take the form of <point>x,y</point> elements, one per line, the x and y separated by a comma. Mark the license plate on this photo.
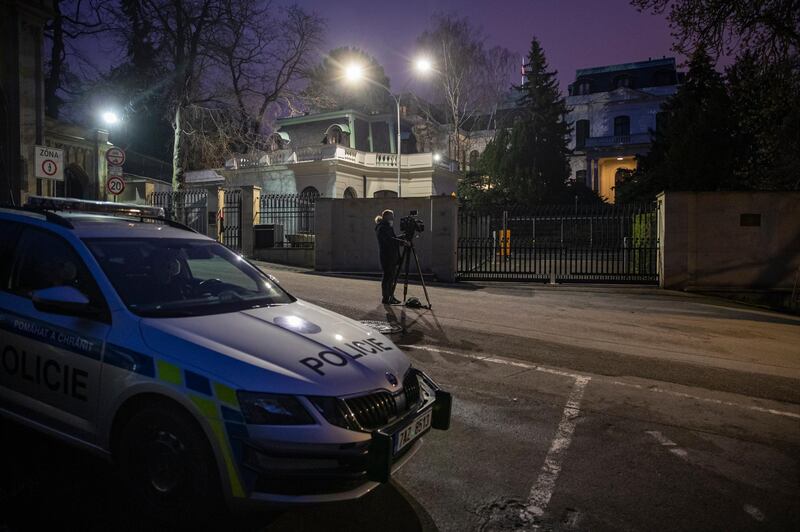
<point>414,429</point>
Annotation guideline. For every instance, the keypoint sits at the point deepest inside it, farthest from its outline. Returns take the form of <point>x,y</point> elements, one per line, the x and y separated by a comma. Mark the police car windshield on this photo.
<point>161,277</point>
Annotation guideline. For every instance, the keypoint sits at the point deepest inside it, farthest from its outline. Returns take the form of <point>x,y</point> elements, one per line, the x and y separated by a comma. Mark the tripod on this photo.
<point>405,260</point>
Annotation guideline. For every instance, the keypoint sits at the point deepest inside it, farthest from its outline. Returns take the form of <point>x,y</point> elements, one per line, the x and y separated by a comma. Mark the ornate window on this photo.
<point>622,126</point>
<point>581,133</point>
<point>350,193</point>
<point>385,194</point>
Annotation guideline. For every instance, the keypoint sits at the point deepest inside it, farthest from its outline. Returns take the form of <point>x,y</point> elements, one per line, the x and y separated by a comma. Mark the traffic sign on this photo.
<point>48,163</point>
<point>115,156</point>
<point>115,185</point>
<point>115,170</point>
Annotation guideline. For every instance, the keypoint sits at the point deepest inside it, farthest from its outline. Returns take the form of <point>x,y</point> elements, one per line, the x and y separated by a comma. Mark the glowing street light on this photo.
<point>423,65</point>
<point>437,157</point>
<point>354,72</point>
<point>110,118</point>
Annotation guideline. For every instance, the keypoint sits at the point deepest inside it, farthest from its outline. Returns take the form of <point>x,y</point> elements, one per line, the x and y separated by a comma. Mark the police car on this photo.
<point>201,377</point>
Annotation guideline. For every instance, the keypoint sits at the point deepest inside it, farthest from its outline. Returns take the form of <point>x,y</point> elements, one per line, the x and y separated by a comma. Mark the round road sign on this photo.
<point>115,156</point>
<point>115,185</point>
<point>49,167</point>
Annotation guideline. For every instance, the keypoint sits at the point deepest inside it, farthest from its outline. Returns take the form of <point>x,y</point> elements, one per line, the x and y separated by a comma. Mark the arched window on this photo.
<point>385,194</point>
<point>623,81</point>
<point>583,86</point>
<point>350,193</point>
<point>310,192</point>
<point>581,133</point>
<point>622,126</point>
<point>277,141</point>
<point>337,134</point>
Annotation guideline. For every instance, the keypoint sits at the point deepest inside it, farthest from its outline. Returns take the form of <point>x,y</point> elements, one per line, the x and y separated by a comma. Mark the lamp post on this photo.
<point>355,72</point>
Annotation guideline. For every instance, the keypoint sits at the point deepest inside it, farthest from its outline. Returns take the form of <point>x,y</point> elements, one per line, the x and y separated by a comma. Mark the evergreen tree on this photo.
<point>529,164</point>
<point>765,103</point>
<point>697,148</point>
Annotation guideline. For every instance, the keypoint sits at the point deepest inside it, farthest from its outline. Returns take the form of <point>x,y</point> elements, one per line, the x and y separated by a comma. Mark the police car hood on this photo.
<point>297,348</point>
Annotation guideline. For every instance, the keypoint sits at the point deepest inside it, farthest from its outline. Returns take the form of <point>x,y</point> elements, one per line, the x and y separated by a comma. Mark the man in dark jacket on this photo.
<point>389,245</point>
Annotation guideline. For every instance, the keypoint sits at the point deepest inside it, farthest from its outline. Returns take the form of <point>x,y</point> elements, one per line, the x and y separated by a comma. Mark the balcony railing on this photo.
<point>617,140</point>
<point>336,152</point>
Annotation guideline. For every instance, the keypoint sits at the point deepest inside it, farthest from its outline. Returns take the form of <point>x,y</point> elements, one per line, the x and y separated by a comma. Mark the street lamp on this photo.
<point>110,117</point>
<point>354,72</point>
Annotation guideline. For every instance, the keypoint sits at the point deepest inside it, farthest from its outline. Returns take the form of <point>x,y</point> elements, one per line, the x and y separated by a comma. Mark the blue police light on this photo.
<point>99,207</point>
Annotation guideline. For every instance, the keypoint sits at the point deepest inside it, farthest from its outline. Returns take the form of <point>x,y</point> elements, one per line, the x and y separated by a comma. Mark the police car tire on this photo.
<point>197,495</point>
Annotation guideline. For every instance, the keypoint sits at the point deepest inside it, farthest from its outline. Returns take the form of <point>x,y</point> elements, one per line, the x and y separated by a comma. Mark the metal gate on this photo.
<point>597,243</point>
<point>188,207</point>
<point>290,217</point>
<point>231,222</point>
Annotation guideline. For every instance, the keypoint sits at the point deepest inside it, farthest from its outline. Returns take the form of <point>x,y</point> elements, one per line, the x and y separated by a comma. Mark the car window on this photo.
<point>173,277</point>
<point>45,260</point>
<point>9,231</point>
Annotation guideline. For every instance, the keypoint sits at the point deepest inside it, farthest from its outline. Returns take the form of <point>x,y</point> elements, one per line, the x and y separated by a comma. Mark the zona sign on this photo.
<point>115,185</point>
<point>115,156</point>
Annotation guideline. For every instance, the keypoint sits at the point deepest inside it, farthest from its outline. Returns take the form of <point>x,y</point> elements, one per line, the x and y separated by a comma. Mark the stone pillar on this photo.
<point>444,237</point>
<point>323,238</point>
<point>100,165</point>
<point>251,199</point>
<point>216,199</point>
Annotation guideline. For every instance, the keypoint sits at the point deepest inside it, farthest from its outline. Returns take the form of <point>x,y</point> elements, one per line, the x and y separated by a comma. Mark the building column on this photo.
<point>352,124</point>
<point>251,200</point>
<point>371,146</point>
<point>215,201</point>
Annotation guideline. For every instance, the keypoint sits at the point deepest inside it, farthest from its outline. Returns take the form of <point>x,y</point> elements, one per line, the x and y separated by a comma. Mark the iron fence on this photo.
<point>597,243</point>
<point>231,220</point>
<point>286,220</point>
<point>188,207</point>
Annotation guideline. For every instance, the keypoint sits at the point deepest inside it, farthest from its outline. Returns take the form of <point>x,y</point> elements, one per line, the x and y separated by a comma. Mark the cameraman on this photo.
<point>389,245</point>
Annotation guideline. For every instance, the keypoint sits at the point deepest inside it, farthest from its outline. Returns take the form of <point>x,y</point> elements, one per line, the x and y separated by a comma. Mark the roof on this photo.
<point>667,62</point>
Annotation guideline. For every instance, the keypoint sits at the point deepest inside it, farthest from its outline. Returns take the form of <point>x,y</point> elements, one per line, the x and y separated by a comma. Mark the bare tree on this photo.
<point>470,79</point>
<point>72,20</point>
<point>264,49</point>
<point>769,28</point>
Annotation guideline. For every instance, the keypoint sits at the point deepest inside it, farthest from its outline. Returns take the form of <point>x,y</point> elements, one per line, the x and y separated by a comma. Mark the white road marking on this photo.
<point>655,389</point>
<point>682,395</point>
<point>666,442</point>
<point>542,490</point>
<point>754,512</point>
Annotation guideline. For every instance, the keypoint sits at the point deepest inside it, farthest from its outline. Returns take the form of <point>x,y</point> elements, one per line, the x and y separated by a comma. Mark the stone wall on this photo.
<point>345,234</point>
<point>729,239</point>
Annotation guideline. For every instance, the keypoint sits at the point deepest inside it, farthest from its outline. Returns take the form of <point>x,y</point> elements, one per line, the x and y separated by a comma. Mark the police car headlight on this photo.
<point>271,409</point>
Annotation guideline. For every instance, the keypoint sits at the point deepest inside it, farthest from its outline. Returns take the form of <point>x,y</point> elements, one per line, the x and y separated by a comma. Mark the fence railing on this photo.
<point>188,207</point>
<point>286,221</point>
<point>589,243</point>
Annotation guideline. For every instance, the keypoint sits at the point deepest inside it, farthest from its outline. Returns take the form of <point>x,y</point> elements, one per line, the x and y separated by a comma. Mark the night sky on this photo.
<point>574,33</point>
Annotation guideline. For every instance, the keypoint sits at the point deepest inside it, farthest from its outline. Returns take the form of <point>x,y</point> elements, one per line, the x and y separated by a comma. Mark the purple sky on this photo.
<point>574,33</point>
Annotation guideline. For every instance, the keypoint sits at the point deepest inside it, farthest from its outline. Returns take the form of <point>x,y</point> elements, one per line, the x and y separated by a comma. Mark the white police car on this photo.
<point>197,373</point>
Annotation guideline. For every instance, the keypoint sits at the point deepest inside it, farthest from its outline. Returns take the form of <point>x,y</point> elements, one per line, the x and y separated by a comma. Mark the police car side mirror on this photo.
<point>62,300</point>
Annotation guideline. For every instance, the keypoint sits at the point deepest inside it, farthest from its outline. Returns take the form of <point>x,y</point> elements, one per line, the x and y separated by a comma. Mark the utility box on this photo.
<point>268,236</point>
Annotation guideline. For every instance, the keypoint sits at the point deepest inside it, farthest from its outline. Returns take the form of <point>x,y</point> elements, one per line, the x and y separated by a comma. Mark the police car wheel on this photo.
<point>168,464</point>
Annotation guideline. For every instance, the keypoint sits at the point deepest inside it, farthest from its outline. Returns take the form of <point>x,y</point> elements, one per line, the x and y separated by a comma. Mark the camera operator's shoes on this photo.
<point>394,301</point>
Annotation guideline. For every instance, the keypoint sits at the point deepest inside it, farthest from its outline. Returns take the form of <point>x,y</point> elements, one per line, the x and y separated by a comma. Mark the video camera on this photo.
<point>410,225</point>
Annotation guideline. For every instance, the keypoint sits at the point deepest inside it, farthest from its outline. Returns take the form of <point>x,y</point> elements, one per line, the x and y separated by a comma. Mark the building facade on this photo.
<point>613,111</point>
<point>338,154</point>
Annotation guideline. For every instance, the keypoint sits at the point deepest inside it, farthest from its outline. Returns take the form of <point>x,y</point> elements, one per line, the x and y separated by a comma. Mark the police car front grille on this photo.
<point>374,410</point>
<point>377,409</point>
<point>411,389</point>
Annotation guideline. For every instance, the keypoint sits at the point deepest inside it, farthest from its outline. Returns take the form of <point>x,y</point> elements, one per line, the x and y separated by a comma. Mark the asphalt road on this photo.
<point>576,408</point>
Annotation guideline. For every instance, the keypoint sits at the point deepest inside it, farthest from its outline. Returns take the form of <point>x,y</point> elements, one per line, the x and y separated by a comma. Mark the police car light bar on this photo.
<point>101,207</point>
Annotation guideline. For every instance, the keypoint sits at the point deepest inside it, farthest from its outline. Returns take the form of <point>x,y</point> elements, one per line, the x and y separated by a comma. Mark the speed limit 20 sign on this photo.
<point>115,185</point>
